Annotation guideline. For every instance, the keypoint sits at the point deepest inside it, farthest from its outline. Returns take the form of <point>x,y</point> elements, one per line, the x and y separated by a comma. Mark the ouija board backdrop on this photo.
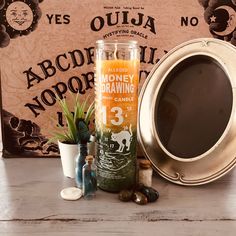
<point>47,49</point>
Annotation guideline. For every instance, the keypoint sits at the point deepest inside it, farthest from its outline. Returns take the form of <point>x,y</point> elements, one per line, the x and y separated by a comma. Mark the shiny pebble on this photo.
<point>151,193</point>
<point>71,194</point>
<point>125,195</point>
<point>139,198</point>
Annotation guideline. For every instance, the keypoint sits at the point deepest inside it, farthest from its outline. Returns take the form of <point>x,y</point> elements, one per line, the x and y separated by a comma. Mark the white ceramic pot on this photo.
<point>68,154</point>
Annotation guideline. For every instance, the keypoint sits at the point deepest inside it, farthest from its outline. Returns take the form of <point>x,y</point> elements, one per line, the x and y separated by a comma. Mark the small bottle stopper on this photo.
<point>89,178</point>
<point>145,173</point>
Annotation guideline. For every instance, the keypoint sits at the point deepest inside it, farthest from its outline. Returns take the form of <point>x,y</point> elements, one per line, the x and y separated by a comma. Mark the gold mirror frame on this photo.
<point>220,158</point>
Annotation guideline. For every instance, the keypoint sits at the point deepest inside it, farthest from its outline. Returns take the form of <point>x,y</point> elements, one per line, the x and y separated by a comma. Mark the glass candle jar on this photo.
<point>116,89</point>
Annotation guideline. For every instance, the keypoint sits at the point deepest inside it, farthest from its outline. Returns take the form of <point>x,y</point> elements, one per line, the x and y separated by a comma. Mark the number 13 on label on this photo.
<point>118,113</point>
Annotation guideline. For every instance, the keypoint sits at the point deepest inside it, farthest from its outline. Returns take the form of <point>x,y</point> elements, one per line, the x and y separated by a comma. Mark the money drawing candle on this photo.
<point>116,95</point>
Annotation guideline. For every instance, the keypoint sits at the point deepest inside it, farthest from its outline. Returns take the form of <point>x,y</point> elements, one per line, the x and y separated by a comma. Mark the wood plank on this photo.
<point>119,228</point>
<point>29,190</point>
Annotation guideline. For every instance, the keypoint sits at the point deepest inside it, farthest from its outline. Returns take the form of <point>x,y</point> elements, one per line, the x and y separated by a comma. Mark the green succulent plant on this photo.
<point>77,128</point>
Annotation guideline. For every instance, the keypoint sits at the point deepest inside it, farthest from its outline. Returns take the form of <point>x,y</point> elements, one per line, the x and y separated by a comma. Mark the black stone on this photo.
<point>151,193</point>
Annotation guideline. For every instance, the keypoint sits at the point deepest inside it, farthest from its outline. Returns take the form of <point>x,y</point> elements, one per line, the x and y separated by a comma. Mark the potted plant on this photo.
<point>76,131</point>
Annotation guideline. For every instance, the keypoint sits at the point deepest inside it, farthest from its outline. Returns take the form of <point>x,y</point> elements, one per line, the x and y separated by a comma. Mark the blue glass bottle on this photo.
<point>89,178</point>
<point>80,161</point>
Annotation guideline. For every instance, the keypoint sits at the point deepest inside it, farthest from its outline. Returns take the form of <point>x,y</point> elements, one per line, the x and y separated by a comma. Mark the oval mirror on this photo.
<point>187,115</point>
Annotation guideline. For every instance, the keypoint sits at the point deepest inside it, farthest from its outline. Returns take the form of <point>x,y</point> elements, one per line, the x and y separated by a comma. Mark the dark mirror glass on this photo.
<point>193,107</point>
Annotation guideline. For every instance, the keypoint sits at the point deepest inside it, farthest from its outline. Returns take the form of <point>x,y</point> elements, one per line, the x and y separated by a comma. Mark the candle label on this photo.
<point>116,119</point>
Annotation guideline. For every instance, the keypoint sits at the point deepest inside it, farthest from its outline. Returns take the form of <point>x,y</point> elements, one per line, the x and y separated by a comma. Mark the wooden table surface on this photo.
<point>30,204</point>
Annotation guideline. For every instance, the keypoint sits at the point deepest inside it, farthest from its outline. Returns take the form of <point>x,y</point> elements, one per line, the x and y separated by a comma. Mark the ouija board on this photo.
<point>47,49</point>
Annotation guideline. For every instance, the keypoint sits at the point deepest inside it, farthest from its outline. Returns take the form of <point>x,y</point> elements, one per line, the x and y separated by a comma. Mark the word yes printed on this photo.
<point>58,19</point>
